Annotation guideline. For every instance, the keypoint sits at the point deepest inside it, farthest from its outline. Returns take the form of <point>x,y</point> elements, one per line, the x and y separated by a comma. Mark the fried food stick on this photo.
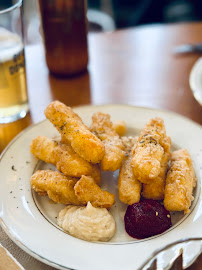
<point>155,190</point>
<point>129,187</point>
<point>58,187</point>
<point>180,182</point>
<point>120,127</point>
<point>149,151</point>
<point>102,127</point>
<point>87,190</point>
<point>73,159</point>
<point>64,158</point>
<point>69,124</point>
<point>61,155</point>
<point>128,143</point>
<point>96,173</point>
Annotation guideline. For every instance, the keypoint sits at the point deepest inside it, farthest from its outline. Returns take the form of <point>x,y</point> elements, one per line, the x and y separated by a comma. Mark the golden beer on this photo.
<point>13,86</point>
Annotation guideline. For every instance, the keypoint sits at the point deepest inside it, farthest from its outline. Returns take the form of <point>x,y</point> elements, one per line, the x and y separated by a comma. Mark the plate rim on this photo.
<point>192,76</point>
<point>29,251</point>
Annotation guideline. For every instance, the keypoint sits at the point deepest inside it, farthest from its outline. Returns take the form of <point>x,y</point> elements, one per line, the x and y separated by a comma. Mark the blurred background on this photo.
<point>107,15</point>
<point>127,13</point>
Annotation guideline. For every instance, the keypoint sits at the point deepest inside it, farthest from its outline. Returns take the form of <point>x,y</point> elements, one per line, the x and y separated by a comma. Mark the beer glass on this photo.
<point>13,86</point>
<point>64,27</point>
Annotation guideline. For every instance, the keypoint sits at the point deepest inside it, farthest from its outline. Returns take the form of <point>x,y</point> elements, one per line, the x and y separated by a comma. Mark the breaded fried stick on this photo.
<point>128,143</point>
<point>120,127</point>
<point>58,187</point>
<point>102,127</point>
<point>155,190</point>
<point>180,182</point>
<point>129,186</point>
<point>96,173</point>
<point>149,151</point>
<point>61,155</point>
<point>64,158</point>
<point>69,124</point>
<point>87,190</point>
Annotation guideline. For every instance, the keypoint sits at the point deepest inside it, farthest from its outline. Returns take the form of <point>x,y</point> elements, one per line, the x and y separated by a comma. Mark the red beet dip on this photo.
<point>146,218</point>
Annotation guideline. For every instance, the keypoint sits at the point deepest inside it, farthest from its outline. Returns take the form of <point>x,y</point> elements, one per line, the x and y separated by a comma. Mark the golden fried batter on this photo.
<point>63,156</point>
<point>129,187</point>
<point>155,190</point>
<point>64,140</point>
<point>87,190</point>
<point>69,124</point>
<point>149,151</point>
<point>102,127</point>
<point>96,173</point>
<point>180,182</point>
<point>120,127</point>
<point>58,187</point>
<point>128,143</point>
<point>44,148</point>
<point>70,162</point>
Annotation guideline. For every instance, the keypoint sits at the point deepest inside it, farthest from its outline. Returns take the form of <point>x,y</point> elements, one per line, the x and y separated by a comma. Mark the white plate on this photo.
<point>195,80</point>
<point>30,221</point>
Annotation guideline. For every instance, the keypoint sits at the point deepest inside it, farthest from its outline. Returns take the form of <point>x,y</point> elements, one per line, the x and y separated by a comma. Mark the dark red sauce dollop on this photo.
<point>146,218</point>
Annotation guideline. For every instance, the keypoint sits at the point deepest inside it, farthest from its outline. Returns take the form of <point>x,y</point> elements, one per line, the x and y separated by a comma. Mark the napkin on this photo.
<point>7,261</point>
<point>22,259</point>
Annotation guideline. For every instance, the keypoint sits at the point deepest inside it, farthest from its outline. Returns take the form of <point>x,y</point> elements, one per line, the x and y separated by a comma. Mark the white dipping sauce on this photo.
<point>87,223</point>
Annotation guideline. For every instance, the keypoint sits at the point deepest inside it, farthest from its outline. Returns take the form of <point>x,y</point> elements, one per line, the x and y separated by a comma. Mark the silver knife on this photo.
<point>187,48</point>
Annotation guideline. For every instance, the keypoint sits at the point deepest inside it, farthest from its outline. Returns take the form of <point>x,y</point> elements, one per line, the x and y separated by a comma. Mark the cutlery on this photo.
<point>179,255</point>
<point>187,48</point>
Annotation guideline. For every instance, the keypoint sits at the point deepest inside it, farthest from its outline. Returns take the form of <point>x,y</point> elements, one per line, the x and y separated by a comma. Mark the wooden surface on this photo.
<point>133,66</point>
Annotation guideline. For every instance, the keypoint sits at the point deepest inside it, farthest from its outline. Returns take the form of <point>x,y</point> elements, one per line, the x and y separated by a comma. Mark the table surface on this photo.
<point>132,66</point>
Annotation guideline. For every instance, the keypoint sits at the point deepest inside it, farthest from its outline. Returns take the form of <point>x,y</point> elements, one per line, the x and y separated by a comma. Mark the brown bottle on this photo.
<point>64,27</point>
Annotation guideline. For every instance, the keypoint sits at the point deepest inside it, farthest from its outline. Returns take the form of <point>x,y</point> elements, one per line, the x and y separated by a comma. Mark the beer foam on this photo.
<point>10,44</point>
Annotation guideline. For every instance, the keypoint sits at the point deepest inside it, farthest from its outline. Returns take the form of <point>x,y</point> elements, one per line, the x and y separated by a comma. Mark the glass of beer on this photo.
<point>13,86</point>
<point>64,28</point>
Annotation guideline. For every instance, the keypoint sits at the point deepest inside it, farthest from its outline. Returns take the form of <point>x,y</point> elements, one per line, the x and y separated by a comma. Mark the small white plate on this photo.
<point>195,80</point>
<point>30,220</point>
